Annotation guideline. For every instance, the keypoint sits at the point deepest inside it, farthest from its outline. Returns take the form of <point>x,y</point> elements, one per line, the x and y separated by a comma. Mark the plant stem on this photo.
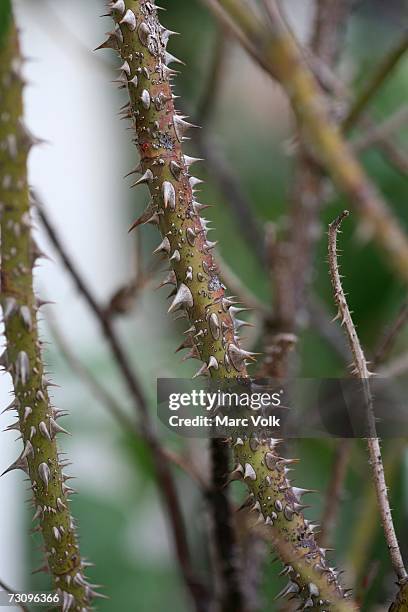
<point>362,372</point>
<point>37,419</point>
<point>141,42</point>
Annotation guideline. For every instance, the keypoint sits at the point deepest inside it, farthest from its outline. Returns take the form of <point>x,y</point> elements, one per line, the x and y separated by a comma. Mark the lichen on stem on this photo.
<point>37,421</point>
<point>199,295</point>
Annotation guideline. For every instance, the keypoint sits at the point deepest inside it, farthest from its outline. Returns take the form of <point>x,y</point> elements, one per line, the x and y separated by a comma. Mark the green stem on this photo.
<point>199,295</point>
<point>37,420</point>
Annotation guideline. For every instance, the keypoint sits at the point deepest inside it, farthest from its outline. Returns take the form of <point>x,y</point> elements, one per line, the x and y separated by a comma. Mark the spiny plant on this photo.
<point>199,295</point>
<point>37,420</point>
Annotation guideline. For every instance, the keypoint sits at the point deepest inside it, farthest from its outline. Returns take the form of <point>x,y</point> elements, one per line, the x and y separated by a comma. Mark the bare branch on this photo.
<point>377,134</point>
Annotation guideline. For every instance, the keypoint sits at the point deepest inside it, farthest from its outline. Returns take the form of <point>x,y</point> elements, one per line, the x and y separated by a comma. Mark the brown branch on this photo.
<point>362,372</point>
<point>224,544</point>
<point>377,80</point>
<point>334,492</point>
<point>391,335</point>
<point>167,486</point>
<point>226,548</point>
<point>378,134</point>
<point>109,400</point>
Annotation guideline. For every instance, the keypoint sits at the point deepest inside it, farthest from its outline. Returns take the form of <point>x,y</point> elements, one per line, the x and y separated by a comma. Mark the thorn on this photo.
<point>183,299</point>
<point>169,195</point>
<point>202,371</point>
<point>44,473</point>
<point>146,178</point>
<point>129,19</point>
<point>149,215</point>
<point>19,464</point>
<point>169,280</point>
<point>249,472</point>
<point>55,428</point>
<point>164,246</point>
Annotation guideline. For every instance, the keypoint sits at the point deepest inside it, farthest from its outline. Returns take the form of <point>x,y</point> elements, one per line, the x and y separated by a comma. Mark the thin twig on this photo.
<point>283,60</point>
<point>362,372</point>
<point>377,134</point>
<point>98,390</point>
<point>167,486</point>
<point>373,85</point>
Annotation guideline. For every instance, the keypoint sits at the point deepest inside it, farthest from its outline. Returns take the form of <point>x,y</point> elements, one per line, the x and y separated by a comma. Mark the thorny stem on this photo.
<point>212,333</point>
<point>373,85</point>
<point>37,419</point>
<point>283,60</point>
<point>226,551</point>
<point>90,380</point>
<point>362,372</point>
<point>378,134</point>
<point>167,487</point>
<point>107,399</point>
<point>231,599</point>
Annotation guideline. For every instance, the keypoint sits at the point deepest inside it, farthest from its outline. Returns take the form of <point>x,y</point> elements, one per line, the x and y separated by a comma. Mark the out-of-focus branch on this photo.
<point>396,367</point>
<point>165,479</point>
<point>391,335</point>
<point>291,258</point>
<point>211,90</point>
<point>109,401</point>
<point>362,372</point>
<point>284,62</point>
<point>377,80</point>
<point>334,491</point>
<point>377,134</point>
<point>98,390</point>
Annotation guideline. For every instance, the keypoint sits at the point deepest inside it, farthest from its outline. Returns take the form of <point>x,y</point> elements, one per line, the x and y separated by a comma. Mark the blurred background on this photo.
<point>72,104</point>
